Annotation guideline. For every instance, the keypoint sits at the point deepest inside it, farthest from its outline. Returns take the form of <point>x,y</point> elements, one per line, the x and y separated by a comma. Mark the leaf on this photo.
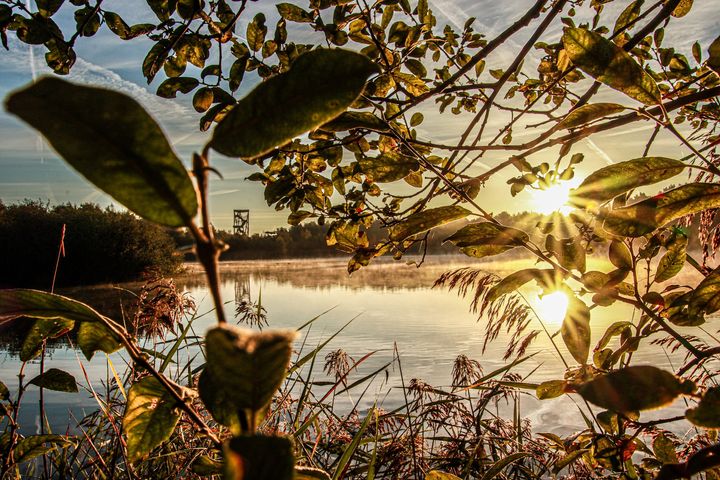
<point>150,417</point>
<point>514,281</point>
<point>244,369</point>
<point>112,141</point>
<point>707,412</point>
<point>634,388</point>
<point>703,459</point>
<point>609,182</point>
<point>575,329</point>
<point>713,60</point>
<point>438,475</point>
<point>588,113</point>
<point>259,457</point>
<point>255,33</point>
<point>55,379</point>
<point>673,261</point>
<point>204,465</point>
<point>425,220</point>
<point>4,392</point>
<point>569,252</point>
<point>47,8</point>
<point>319,86</point>
<point>40,330</point>
<point>34,446</point>
<point>500,465</point>
<point>170,87</point>
<point>608,63</point>
<point>94,333</point>
<point>643,217</point>
<point>310,473</point>
<point>620,255</point>
<point>664,449</point>
<point>629,15</point>
<point>617,328</point>
<point>293,13</point>
<point>550,389</point>
<point>706,296</point>
<point>488,234</point>
<point>388,167</point>
<point>351,120</point>
<point>682,9</point>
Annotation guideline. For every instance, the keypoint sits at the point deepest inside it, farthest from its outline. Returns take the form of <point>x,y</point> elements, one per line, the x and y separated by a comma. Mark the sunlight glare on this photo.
<point>554,199</point>
<point>551,308</point>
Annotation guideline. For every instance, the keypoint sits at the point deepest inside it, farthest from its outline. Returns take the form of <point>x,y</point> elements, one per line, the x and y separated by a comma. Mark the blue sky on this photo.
<point>31,170</point>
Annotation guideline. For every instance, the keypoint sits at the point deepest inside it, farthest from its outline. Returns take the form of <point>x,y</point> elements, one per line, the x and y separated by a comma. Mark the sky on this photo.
<point>29,169</point>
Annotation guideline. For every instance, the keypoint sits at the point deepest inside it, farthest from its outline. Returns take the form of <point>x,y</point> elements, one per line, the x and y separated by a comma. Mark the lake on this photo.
<point>391,306</point>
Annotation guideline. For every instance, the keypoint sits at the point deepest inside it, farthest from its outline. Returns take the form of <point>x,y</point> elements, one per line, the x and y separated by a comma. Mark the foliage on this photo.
<point>101,245</point>
<point>343,172</point>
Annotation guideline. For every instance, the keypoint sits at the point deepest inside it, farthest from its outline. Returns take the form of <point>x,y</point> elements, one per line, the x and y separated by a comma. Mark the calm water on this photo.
<point>391,305</point>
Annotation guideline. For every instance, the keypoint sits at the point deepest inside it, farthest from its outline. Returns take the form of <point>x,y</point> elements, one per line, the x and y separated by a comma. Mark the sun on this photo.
<point>551,308</point>
<point>553,199</point>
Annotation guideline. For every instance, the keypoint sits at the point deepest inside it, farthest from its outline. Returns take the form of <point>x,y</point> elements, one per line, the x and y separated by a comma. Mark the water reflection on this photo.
<point>394,308</point>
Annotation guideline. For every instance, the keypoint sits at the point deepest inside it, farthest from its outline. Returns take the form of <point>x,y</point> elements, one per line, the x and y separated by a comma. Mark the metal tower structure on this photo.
<point>241,222</point>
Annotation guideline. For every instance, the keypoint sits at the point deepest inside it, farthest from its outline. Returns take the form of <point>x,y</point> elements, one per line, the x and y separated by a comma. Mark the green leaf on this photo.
<point>664,449</point>
<point>673,261</point>
<point>4,392</point>
<point>707,412</point>
<point>516,280</point>
<point>293,13</point>
<point>47,8</point>
<point>643,217</point>
<point>706,296</point>
<point>259,457</point>
<point>351,120</point>
<point>150,417</point>
<point>606,62</point>
<point>244,369</point>
<point>609,182</point>
<point>255,33</point>
<point>162,8</point>
<point>55,379</point>
<point>37,304</point>
<point>35,446</point>
<point>319,86</point>
<point>550,389</point>
<point>617,328</point>
<point>635,388</point>
<point>575,329</point>
<point>438,475</point>
<point>353,445</point>
<point>388,167</point>
<point>40,330</point>
<point>629,15</point>
<point>155,59</point>
<point>620,255</point>
<point>569,252</point>
<point>427,219</point>
<point>488,234</point>
<point>588,113</point>
<point>112,141</point>
<point>170,87</point>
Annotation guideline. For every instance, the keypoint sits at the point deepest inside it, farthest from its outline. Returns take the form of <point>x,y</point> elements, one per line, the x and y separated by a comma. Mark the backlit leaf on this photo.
<point>713,60</point>
<point>706,296</point>
<point>438,475</point>
<point>487,234</point>
<point>497,467</point>
<point>93,334</point>
<point>575,329</point>
<point>643,217</point>
<point>56,379</point>
<point>550,389</point>
<point>588,113</point>
<point>293,13</point>
<point>42,329</point>
<point>37,445</point>
<point>244,369</point>
<point>609,182</point>
<point>388,167</point>
<point>112,141</point>
<point>664,449</point>
<point>569,252</point>
<point>620,255</point>
<point>514,281</point>
<point>427,219</point>
<point>150,417</point>
<point>634,388</point>
<point>170,87</point>
<point>683,8</point>
<point>672,262</point>
<point>608,63</point>
<point>707,412</point>
<point>350,120</point>
<point>259,457</point>
<point>319,86</point>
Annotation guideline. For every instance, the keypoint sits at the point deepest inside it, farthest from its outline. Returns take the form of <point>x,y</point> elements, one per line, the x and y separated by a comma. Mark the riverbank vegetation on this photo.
<point>601,67</point>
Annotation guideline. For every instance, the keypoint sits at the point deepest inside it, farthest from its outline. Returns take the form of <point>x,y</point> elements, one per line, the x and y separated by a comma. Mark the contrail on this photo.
<point>599,151</point>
